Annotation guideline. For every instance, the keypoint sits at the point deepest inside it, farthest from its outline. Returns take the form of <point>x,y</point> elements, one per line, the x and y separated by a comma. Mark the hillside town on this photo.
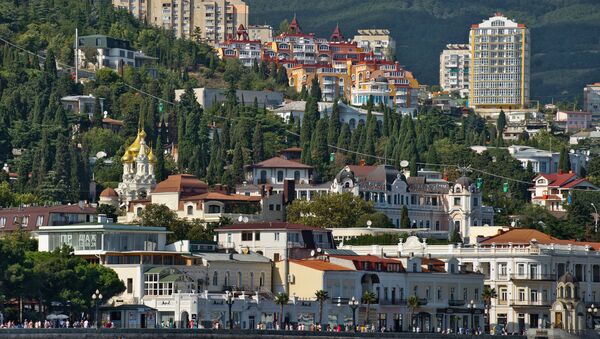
<point>174,164</point>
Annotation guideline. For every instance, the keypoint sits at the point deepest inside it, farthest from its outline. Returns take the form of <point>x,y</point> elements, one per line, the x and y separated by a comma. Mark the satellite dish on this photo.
<point>312,253</point>
<point>403,163</point>
<point>512,223</point>
<point>240,218</point>
<point>369,223</point>
<point>101,155</point>
<point>319,250</point>
<point>246,219</point>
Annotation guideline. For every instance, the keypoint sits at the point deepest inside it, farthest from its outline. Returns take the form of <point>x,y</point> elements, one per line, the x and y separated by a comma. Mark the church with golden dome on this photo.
<point>138,171</point>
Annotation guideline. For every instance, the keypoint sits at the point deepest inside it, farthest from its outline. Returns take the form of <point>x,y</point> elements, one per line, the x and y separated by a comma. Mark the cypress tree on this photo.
<point>215,167</point>
<point>344,138</point>
<point>315,90</point>
<point>564,162</point>
<point>237,167</point>
<point>258,148</point>
<point>501,123</point>
<point>333,132</point>
<point>160,170</point>
<point>404,219</point>
<point>320,154</point>
<point>74,173</point>
<point>97,113</point>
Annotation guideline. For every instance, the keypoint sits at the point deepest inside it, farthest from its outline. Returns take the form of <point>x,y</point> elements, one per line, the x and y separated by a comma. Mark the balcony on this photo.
<point>400,302</point>
<point>530,303</point>
<point>535,277</point>
<point>456,302</point>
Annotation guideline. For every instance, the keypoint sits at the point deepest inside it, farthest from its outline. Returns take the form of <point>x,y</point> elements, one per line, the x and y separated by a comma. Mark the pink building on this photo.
<point>574,121</point>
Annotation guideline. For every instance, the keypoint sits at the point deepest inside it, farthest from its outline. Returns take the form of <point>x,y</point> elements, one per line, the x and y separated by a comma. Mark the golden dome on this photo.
<point>127,157</point>
<point>151,156</point>
<point>134,148</point>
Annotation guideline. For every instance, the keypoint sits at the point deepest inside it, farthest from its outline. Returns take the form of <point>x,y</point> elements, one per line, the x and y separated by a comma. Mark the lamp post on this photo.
<point>97,298</point>
<point>471,307</point>
<point>229,299</point>
<point>595,217</point>
<point>353,303</point>
<point>592,310</point>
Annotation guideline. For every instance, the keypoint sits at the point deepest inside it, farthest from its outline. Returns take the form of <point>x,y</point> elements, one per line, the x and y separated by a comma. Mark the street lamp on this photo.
<point>471,307</point>
<point>592,310</point>
<point>97,298</point>
<point>353,303</point>
<point>229,299</point>
<point>595,217</point>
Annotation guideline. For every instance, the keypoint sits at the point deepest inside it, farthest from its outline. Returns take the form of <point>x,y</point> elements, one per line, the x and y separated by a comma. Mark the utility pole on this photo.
<point>76,56</point>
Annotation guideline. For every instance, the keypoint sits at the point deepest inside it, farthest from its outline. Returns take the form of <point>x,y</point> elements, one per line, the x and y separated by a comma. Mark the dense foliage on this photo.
<point>41,278</point>
<point>422,28</point>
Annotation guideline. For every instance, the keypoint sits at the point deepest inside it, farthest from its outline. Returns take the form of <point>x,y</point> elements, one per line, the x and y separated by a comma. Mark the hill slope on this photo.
<point>565,33</point>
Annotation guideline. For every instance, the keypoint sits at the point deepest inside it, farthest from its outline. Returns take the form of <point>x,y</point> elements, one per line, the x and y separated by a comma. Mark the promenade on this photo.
<point>208,334</point>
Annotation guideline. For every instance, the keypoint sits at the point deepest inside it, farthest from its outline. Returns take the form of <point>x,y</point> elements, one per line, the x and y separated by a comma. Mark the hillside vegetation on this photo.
<point>565,33</point>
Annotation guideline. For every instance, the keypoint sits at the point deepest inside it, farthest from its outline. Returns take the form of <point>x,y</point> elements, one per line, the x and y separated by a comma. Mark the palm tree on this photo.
<point>368,298</point>
<point>281,299</point>
<point>487,295</point>
<point>413,305</point>
<point>321,296</point>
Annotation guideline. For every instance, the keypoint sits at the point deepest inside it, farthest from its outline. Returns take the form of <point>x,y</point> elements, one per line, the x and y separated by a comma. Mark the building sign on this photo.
<point>79,241</point>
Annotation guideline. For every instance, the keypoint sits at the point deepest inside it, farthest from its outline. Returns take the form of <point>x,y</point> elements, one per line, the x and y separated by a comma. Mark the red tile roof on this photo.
<point>320,265</point>
<point>109,192</point>
<point>183,183</point>
<point>269,226</point>
<point>40,211</point>
<point>557,179</point>
<point>278,162</point>
<point>523,236</point>
<point>223,197</point>
<point>368,257</point>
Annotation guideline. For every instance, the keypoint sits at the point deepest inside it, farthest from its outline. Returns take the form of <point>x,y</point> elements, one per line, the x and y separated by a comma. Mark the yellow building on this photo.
<point>500,54</point>
<point>334,81</point>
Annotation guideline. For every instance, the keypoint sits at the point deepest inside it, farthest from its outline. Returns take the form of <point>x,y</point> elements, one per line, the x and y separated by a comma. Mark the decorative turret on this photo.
<point>138,171</point>
<point>337,35</point>
<point>294,27</point>
<point>242,33</point>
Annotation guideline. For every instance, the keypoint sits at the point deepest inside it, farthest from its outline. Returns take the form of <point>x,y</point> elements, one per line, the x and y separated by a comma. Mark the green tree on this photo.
<point>109,210</point>
<point>487,295</point>
<point>404,219</point>
<point>564,162</point>
<point>97,113</point>
<point>368,298</point>
<point>258,148</point>
<point>413,305</point>
<point>329,210</point>
<point>281,299</point>
<point>321,296</point>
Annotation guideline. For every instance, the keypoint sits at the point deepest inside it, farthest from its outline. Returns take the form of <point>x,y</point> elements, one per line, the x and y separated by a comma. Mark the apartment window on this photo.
<point>521,269</point>
<point>533,295</point>
<point>521,294</point>
<point>246,236</point>
<point>595,272</point>
<point>476,298</point>
<point>452,293</point>
<point>502,269</point>
<point>275,256</point>
<point>38,222</point>
<point>25,221</point>
<point>129,285</point>
<point>215,279</point>
<point>239,279</point>
<point>503,294</point>
<point>256,235</point>
<point>279,176</point>
<point>276,236</point>
<point>439,294</point>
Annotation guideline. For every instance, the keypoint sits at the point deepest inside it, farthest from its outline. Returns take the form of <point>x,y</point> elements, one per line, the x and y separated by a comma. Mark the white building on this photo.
<point>591,101</point>
<point>543,161</point>
<point>499,72</point>
<point>552,191</point>
<point>454,69</point>
<point>522,265</point>
<point>377,89</point>
<point>98,51</point>
<point>81,104</point>
<point>353,116</point>
<point>138,171</point>
<point>207,97</point>
<point>378,41</point>
<point>432,202</point>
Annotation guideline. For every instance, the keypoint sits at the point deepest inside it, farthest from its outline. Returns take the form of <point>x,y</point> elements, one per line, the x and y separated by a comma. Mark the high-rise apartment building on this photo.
<point>454,68</point>
<point>499,73</point>
<point>378,41</point>
<point>214,20</point>
<point>591,101</point>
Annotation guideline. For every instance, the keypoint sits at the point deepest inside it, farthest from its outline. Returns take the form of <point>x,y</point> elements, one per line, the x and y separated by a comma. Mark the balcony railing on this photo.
<point>548,277</point>
<point>456,302</point>
<point>539,302</point>
<point>401,302</point>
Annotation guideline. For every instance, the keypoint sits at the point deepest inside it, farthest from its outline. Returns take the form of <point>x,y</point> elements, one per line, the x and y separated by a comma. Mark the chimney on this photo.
<point>289,191</point>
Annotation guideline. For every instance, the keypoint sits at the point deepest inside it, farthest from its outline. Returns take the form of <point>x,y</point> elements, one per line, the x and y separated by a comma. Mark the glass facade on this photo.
<point>95,241</point>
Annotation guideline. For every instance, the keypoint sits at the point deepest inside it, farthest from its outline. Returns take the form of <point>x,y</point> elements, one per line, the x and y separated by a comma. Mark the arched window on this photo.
<point>138,211</point>
<point>215,279</point>
<point>190,210</point>
<point>227,280</point>
<point>214,209</point>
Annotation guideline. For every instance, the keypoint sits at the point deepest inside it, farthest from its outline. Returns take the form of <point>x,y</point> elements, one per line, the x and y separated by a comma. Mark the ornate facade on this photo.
<point>138,171</point>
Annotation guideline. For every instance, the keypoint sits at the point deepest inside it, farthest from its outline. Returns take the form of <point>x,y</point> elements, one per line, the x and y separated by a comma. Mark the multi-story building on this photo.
<point>207,97</point>
<point>81,104</point>
<point>264,33</point>
<point>137,8</point>
<point>99,51</point>
<point>573,121</point>
<point>524,267</point>
<point>500,57</point>
<point>335,82</point>
<point>543,161</point>
<point>432,202</point>
<point>454,69</point>
<point>241,47</point>
<point>591,101</point>
<point>552,191</point>
<point>375,89</point>
<point>377,41</point>
<point>33,217</point>
<point>444,291</point>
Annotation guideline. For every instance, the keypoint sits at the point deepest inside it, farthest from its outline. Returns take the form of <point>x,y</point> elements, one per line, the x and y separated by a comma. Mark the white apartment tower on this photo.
<point>500,54</point>
<point>454,68</point>
<point>213,19</point>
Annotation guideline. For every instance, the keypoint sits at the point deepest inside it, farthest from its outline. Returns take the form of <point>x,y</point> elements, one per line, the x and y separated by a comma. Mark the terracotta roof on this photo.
<point>269,226</point>
<point>520,236</point>
<point>278,162</point>
<point>557,179</point>
<point>291,149</point>
<point>185,184</point>
<point>108,193</point>
<point>112,121</point>
<point>320,265</point>
<point>223,197</point>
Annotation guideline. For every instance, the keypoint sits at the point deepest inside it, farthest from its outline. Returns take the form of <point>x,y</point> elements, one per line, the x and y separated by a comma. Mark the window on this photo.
<point>246,236</point>
<point>214,209</point>
<point>439,294</point>
<point>465,294</point>
<point>24,221</point>
<point>190,210</point>
<point>129,285</point>
<point>503,294</point>
<point>215,279</point>
<point>297,176</point>
<point>456,201</point>
<point>2,221</point>
<point>521,294</point>
<point>475,202</point>
<point>275,256</point>
<point>239,279</point>
<point>276,236</point>
<point>256,235</point>
<point>229,238</point>
<point>38,222</point>
<point>261,282</point>
<point>533,296</point>
<point>251,281</point>
<point>227,280</point>
<point>502,269</point>
<point>279,176</point>
<point>476,294</point>
<point>138,211</point>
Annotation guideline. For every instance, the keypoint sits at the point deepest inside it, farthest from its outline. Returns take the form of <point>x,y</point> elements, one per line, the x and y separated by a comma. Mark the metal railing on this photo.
<point>539,302</point>
<point>528,276</point>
